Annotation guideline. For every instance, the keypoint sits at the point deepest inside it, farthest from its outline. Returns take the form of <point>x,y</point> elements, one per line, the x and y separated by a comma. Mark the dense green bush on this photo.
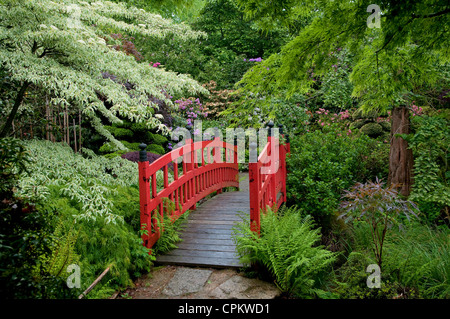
<point>13,160</point>
<point>430,145</point>
<point>287,248</point>
<point>323,164</point>
<point>86,212</point>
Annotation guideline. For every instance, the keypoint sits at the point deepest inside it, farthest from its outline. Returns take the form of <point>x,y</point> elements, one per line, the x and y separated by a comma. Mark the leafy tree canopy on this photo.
<point>65,48</point>
<point>390,62</point>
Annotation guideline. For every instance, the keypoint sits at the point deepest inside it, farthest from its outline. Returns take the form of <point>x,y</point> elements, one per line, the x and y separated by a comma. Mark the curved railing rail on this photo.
<point>201,172</point>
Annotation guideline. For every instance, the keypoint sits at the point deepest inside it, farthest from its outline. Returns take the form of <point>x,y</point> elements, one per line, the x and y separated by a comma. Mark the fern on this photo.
<point>61,255</point>
<point>286,248</point>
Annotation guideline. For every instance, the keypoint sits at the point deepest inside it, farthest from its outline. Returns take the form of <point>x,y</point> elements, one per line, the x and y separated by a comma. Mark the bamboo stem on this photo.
<point>67,126</point>
<point>75,135</point>
<point>79,128</point>
<point>96,281</point>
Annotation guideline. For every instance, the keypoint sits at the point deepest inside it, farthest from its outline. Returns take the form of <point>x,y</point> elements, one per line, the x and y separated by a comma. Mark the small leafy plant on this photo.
<point>380,207</point>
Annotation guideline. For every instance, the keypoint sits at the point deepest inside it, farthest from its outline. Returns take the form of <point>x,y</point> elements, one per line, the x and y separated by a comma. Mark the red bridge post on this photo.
<point>144,193</point>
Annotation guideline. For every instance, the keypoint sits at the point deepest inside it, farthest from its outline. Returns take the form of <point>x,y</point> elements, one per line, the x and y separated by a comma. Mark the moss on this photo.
<point>372,129</point>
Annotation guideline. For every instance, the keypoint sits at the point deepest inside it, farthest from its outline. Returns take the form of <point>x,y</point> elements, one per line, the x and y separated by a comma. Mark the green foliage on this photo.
<point>88,215</point>
<point>430,145</point>
<point>389,64</point>
<point>288,248</point>
<point>419,258</point>
<point>119,132</point>
<point>13,161</point>
<point>416,264</point>
<point>159,139</point>
<point>171,234</point>
<point>62,49</point>
<point>86,181</point>
<point>325,163</point>
<point>27,237</point>
<point>372,129</point>
<point>157,149</point>
<point>351,280</point>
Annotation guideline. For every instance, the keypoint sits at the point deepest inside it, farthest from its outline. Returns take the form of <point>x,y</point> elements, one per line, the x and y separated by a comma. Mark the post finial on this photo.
<point>142,152</point>
<point>270,125</point>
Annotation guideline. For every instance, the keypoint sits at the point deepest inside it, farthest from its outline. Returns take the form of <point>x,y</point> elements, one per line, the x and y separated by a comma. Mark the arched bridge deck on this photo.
<point>207,236</point>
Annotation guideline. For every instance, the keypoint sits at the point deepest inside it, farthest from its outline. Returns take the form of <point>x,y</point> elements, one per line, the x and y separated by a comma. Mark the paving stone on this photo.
<point>186,280</point>
<point>238,287</point>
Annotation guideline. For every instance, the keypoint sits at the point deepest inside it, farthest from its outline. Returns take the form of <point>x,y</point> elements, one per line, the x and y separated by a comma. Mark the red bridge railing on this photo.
<point>193,180</point>
<point>267,177</point>
<point>200,174</point>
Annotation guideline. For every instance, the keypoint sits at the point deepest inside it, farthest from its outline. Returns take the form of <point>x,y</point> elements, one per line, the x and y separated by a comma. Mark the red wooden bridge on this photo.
<point>176,182</point>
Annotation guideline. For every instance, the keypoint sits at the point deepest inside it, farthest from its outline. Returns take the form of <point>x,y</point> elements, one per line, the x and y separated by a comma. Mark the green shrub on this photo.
<point>107,147</point>
<point>13,160</point>
<point>157,149</point>
<point>357,124</point>
<point>350,280</point>
<point>416,263</point>
<point>322,165</point>
<point>159,139</point>
<point>287,248</point>
<point>381,207</point>
<point>101,197</point>
<point>430,147</point>
<point>119,132</point>
<point>372,129</point>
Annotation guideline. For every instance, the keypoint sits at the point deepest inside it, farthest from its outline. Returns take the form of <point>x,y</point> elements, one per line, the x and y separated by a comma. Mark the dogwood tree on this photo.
<point>64,48</point>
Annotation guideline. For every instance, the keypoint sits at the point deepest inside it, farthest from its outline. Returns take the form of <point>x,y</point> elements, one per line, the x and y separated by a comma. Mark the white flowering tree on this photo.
<point>63,47</point>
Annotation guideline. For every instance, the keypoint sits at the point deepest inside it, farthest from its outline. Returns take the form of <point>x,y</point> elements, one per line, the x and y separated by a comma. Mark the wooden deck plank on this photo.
<point>200,261</point>
<point>207,235</point>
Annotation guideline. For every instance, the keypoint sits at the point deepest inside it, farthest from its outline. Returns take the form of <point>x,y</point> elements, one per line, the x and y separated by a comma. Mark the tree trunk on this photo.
<point>400,157</point>
<point>19,98</point>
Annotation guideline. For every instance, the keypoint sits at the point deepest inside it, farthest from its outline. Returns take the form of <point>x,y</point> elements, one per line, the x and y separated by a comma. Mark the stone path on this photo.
<point>172,282</point>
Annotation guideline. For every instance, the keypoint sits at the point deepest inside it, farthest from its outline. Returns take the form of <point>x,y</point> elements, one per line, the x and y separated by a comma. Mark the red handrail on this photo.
<point>195,182</point>
<point>267,179</point>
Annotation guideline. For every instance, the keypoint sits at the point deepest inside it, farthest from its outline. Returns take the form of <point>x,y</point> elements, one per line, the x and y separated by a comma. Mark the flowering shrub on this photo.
<point>254,60</point>
<point>155,65</point>
<point>341,119</point>
<point>188,110</point>
<point>416,110</point>
<point>219,100</point>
